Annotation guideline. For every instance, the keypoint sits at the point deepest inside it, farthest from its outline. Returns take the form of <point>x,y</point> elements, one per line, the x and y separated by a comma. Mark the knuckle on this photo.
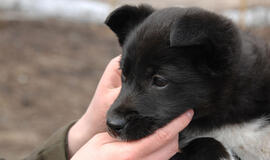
<point>163,135</point>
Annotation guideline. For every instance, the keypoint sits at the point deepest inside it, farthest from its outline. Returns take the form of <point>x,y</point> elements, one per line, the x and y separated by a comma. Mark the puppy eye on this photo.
<point>159,81</point>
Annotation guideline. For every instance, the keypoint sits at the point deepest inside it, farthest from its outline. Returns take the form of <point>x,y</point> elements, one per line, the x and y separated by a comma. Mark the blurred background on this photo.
<point>53,52</point>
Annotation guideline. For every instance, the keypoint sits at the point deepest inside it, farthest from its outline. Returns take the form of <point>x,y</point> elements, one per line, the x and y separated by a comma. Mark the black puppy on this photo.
<point>175,59</point>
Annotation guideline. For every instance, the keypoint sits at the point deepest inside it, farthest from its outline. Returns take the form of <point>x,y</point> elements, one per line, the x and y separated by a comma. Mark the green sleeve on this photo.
<point>55,148</point>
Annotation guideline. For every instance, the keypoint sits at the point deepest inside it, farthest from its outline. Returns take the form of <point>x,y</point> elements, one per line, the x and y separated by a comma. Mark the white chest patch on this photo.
<point>250,141</point>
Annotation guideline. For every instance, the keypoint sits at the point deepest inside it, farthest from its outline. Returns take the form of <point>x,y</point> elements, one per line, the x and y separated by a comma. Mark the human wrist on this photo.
<point>79,134</point>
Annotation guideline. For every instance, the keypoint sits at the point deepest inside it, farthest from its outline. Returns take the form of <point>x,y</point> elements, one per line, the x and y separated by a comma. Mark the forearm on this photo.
<point>78,134</point>
<point>82,131</point>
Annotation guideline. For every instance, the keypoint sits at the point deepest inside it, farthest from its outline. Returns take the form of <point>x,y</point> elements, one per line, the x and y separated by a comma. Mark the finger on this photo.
<point>165,152</point>
<point>111,77</point>
<point>112,95</point>
<point>103,138</point>
<point>94,147</point>
<point>162,135</point>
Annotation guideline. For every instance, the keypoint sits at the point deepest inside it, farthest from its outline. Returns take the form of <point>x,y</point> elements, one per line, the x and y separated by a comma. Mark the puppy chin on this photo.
<point>135,130</point>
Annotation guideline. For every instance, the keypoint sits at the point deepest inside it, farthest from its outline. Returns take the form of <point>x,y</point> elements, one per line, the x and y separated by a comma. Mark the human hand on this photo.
<point>93,121</point>
<point>161,145</point>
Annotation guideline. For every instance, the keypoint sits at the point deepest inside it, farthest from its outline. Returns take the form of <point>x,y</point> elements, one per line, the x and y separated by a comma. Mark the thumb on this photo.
<point>163,135</point>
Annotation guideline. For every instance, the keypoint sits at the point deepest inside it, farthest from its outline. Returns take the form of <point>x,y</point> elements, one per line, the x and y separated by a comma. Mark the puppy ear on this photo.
<point>126,18</point>
<point>215,38</point>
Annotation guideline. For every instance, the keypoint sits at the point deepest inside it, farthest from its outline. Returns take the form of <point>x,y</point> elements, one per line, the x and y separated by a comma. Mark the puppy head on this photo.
<point>173,60</point>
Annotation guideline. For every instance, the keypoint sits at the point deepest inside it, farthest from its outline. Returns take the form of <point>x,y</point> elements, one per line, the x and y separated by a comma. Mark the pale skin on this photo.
<point>88,139</point>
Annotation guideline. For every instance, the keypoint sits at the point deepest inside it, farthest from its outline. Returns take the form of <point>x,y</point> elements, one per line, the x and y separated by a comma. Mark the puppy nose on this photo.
<point>116,123</point>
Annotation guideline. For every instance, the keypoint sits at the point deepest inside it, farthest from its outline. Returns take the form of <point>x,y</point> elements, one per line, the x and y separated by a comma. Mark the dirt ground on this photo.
<point>48,73</point>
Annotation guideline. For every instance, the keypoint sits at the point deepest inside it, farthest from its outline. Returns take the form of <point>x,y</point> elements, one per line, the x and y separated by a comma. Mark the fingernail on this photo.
<point>190,113</point>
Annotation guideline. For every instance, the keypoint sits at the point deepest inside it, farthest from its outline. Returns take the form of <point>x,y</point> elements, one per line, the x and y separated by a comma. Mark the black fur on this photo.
<point>208,63</point>
<point>128,17</point>
<point>203,149</point>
